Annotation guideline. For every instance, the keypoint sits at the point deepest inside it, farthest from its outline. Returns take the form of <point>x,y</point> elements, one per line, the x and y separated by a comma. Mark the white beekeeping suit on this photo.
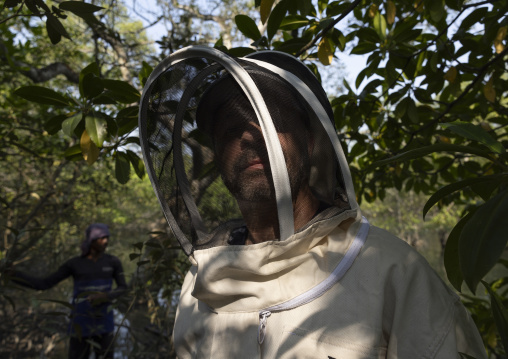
<point>246,163</point>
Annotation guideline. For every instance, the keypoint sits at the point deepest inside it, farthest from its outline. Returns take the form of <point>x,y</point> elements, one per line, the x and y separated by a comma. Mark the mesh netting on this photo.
<point>206,153</point>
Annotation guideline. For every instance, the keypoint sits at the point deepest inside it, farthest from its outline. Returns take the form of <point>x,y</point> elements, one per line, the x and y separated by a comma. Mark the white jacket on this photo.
<point>336,289</point>
<point>389,304</point>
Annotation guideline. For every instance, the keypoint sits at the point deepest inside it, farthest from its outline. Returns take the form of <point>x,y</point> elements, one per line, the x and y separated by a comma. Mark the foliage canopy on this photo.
<point>427,113</point>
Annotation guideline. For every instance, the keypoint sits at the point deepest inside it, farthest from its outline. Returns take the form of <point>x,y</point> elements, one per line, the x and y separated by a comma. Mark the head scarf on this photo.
<point>93,232</point>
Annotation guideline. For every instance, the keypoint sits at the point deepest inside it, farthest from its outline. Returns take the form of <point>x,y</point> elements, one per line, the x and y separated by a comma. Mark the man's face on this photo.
<point>242,156</point>
<point>100,244</point>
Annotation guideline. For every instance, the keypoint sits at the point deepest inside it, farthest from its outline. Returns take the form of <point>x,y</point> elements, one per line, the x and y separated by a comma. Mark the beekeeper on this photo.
<point>247,165</point>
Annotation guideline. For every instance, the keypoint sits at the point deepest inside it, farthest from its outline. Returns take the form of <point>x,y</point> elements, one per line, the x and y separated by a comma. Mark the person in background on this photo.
<point>92,323</point>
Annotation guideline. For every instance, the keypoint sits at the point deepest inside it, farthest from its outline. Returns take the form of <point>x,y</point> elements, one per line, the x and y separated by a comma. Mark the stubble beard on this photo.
<point>257,185</point>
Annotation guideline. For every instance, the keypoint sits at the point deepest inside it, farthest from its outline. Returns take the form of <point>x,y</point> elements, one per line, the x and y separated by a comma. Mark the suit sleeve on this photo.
<point>43,283</point>
<point>119,277</point>
<point>429,321</point>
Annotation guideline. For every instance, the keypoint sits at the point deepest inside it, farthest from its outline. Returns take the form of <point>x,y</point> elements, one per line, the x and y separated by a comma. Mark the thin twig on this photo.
<point>469,87</point>
<point>479,4</point>
<point>15,15</point>
<point>328,28</point>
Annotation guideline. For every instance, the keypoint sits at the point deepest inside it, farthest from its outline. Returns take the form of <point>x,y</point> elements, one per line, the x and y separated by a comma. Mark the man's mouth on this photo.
<point>255,164</point>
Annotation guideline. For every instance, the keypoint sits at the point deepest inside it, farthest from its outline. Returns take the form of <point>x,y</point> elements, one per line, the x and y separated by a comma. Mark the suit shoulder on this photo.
<point>381,240</point>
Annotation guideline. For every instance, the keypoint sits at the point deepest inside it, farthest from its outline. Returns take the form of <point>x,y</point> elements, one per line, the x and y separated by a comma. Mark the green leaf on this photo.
<point>423,151</point>
<point>290,46</point>
<point>367,34</point>
<point>407,36</point>
<point>79,7</point>
<point>451,254</point>
<point>70,124</point>
<point>275,19</point>
<point>474,18</point>
<point>96,128</point>
<point>265,9</point>
<point>127,120</point>
<point>337,7</point>
<point>293,22</point>
<point>500,315</point>
<point>475,133</point>
<point>121,91</point>
<point>122,167</point>
<point>73,153</point>
<point>338,39</point>
<point>363,48</point>
<point>219,44</point>
<point>483,239</point>
<point>11,3</point>
<point>138,245</point>
<point>92,85</point>
<point>454,5</point>
<point>92,68</point>
<point>42,95</point>
<point>403,27</point>
<point>137,163</point>
<point>446,190</point>
<point>54,36</point>
<point>322,5</point>
<point>240,51</point>
<point>104,99</point>
<point>247,26</point>
<point>133,256</point>
<point>145,72</point>
<point>412,111</point>
<point>304,6</point>
<point>54,124</point>
<point>379,23</point>
<point>55,24</point>
<point>128,112</point>
<point>436,9</point>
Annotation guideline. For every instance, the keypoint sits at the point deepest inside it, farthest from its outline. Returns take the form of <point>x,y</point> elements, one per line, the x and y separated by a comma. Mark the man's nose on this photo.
<point>252,134</point>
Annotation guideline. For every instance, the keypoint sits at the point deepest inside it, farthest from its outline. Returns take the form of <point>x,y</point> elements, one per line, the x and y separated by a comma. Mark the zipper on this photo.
<point>322,287</point>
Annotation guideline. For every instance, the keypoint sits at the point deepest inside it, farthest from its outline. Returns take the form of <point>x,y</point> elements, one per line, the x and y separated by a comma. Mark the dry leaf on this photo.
<point>488,90</point>
<point>418,5</point>
<point>498,41</point>
<point>373,10</point>
<point>325,52</point>
<point>391,10</point>
<point>451,74</point>
<point>89,149</point>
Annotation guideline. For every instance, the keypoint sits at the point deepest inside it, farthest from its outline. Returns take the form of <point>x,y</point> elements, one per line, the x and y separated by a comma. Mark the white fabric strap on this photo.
<point>321,288</point>
<point>334,277</point>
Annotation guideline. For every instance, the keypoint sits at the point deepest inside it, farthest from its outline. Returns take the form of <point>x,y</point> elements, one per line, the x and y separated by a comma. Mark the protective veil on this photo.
<point>177,121</point>
<point>218,132</point>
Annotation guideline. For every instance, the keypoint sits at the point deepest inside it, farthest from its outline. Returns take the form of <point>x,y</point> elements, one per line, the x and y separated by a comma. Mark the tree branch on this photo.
<point>469,87</point>
<point>50,71</point>
<point>43,74</point>
<point>113,39</point>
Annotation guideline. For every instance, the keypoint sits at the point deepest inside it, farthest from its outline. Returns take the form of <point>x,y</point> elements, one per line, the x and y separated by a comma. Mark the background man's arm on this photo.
<point>43,283</point>
<point>118,275</point>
